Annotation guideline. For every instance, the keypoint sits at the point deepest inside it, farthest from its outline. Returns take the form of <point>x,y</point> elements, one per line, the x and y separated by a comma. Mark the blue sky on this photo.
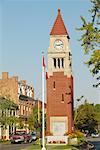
<point>25,26</point>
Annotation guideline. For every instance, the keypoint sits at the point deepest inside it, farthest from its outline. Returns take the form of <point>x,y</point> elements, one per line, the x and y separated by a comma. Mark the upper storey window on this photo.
<point>62,62</point>
<point>58,63</point>
<point>54,60</point>
<point>54,85</point>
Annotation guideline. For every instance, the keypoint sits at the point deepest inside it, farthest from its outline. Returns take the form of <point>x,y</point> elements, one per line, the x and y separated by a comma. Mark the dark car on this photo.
<point>21,137</point>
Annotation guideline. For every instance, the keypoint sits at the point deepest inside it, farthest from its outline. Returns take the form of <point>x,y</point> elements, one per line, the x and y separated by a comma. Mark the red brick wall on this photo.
<point>55,105</point>
<point>9,87</point>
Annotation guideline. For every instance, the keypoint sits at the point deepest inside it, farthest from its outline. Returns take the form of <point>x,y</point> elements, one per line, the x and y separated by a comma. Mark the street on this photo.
<point>95,141</point>
<point>14,146</point>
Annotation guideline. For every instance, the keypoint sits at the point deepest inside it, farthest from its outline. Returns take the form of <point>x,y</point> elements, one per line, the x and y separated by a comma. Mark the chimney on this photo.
<point>15,78</point>
<point>5,75</point>
<point>23,82</point>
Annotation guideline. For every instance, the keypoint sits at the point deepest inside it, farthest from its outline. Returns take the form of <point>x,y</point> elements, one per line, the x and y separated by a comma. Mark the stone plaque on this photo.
<point>59,128</point>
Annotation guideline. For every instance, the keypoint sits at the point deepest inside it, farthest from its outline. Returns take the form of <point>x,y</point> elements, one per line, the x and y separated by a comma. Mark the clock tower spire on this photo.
<point>60,81</point>
<point>59,53</point>
<point>56,30</point>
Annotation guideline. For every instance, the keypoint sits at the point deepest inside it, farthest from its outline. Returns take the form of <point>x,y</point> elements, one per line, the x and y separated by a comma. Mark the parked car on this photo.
<point>21,137</point>
<point>95,135</point>
<point>34,136</point>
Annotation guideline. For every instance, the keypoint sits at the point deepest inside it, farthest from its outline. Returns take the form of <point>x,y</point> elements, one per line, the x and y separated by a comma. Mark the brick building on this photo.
<point>19,92</point>
<point>60,81</point>
<point>9,87</point>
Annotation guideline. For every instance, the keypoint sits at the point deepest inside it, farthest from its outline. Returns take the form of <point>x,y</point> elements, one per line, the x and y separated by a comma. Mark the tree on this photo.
<point>20,124</point>
<point>85,119</point>
<point>97,113</point>
<point>33,120</point>
<point>90,39</point>
<point>6,106</point>
<point>34,123</point>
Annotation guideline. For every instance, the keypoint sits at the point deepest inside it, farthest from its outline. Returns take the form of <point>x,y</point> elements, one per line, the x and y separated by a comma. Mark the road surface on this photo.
<point>95,141</point>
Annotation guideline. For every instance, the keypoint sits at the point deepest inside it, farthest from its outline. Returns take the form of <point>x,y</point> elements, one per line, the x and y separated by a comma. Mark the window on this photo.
<point>14,112</point>
<point>58,62</point>
<point>54,60</point>
<point>23,112</point>
<point>62,62</point>
<point>54,84</point>
<point>70,55</point>
<point>63,97</point>
<point>10,112</point>
<point>70,64</point>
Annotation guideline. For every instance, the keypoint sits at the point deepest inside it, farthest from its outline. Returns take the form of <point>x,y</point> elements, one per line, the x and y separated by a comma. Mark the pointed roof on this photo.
<point>59,27</point>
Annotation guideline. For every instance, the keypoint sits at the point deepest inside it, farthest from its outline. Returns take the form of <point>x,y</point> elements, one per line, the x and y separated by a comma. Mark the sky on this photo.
<point>25,26</point>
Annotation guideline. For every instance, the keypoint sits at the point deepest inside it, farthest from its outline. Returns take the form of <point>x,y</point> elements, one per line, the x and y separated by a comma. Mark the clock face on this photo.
<point>58,44</point>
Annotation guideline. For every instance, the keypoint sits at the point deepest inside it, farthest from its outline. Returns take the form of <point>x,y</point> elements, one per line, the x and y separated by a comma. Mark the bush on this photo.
<point>72,135</point>
<point>80,140</point>
<point>77,134</point>
<point>38,142</point>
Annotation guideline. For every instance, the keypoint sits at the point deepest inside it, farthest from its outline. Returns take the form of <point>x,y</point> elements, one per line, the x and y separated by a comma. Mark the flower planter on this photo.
<point>73,141</point>
<point>57,140</point>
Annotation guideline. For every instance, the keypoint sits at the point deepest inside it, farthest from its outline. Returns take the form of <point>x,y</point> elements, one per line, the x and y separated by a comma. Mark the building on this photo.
<point>38,105</point>
<point>20,93</point>
<point>26,99</point>
<point>60,81</point>
<point>8,111</point>
<point>9,87</point>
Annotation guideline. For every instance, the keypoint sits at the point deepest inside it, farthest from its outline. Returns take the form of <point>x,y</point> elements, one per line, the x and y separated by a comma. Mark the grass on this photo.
<point>5,141</point>
<point>52,147</point>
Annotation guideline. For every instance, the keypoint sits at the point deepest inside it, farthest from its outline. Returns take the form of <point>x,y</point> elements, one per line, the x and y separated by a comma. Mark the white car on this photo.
<point>95,135</point>
<point>34,136</point>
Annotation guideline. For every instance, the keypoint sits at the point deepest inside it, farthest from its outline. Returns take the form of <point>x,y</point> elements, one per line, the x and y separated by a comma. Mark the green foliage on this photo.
<point>38,142</point>
<point>12,120</point>
<point>97,113</point>
<point>90,39</point>
<point>86,118</point>
<point>20,124</point>
<point>77,134</point>
<point>52,147</point>
<point>6,105</point>
<point>97,108</point>
<point>81,140</point>
<point>33,120</point>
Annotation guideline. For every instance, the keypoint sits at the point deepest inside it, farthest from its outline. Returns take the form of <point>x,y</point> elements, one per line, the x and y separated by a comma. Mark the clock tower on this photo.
<point>60,81</point>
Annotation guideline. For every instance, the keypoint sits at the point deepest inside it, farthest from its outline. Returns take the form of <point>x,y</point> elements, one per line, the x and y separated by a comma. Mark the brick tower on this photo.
<point>60,82</point>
